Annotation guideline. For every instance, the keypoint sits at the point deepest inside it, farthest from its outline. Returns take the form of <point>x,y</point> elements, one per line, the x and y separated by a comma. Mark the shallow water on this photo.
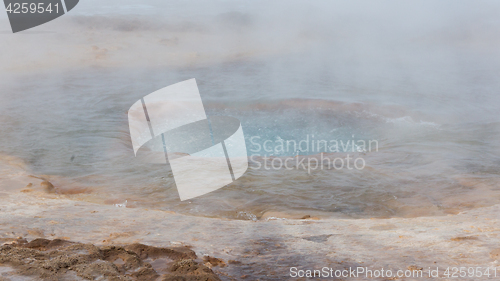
<point>429,101</point>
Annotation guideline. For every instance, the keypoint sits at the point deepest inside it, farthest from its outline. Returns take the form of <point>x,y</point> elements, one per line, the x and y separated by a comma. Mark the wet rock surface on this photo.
<point>65,260</point>
<point>264,249</point>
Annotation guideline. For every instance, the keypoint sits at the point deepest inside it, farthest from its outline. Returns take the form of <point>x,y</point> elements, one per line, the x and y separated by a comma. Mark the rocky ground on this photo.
<point>37,224</point>
<point>64,260</point>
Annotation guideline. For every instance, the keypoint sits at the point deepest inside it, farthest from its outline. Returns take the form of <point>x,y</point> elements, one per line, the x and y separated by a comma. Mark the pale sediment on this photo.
<point>236,249</point>
<point>264,249</point>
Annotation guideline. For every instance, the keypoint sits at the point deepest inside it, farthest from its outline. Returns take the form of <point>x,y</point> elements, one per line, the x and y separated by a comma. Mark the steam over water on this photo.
<point>421,79</point>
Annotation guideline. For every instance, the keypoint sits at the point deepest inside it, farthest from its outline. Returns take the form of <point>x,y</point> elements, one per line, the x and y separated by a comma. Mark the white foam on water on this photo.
<point>408,121</point>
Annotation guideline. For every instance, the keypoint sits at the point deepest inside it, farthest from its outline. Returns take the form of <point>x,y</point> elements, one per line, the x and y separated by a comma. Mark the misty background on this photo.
<point>421,77</point>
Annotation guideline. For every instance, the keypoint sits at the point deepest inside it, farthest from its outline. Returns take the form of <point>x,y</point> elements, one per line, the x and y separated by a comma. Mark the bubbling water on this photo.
<point>418,167</point>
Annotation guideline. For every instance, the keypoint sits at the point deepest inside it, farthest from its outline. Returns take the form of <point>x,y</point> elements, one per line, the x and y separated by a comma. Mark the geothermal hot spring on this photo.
<point>426,90</point>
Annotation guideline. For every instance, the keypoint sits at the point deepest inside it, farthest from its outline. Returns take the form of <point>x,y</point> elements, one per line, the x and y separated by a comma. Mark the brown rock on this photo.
<point>64,260</point>
<point>495,254</point>
<point>463,238</point>
<point>414,268</point>
<point>214,261</point>
<point>47,187</point>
